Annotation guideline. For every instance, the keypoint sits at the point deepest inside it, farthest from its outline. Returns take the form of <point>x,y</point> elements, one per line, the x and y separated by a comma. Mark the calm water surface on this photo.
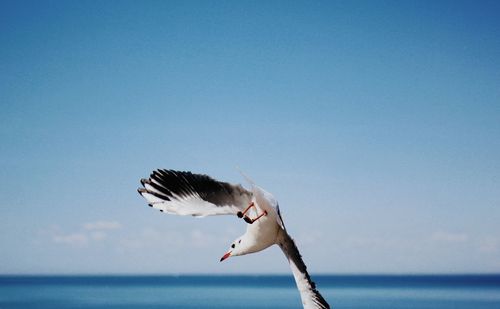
<point>468,291</point>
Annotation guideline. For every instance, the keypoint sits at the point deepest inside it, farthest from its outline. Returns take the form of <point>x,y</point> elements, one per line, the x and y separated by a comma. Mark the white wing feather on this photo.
<point>310,296</point>
<point>184,193</point>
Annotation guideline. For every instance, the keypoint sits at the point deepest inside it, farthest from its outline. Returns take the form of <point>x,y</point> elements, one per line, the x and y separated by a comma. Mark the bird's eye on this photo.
<point>232,246</point>
<point>239,241</point>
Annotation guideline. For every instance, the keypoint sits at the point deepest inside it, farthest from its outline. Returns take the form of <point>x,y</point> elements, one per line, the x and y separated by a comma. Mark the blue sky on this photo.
<point>375,124</point>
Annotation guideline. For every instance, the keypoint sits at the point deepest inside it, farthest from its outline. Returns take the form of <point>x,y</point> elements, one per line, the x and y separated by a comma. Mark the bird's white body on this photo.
<point>264,232</point>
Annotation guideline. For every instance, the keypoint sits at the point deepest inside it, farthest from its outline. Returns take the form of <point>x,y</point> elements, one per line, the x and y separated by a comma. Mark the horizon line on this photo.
<point>242,274</point>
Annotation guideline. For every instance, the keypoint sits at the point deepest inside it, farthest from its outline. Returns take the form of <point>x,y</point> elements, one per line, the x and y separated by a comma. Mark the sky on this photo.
<point>375,124</point>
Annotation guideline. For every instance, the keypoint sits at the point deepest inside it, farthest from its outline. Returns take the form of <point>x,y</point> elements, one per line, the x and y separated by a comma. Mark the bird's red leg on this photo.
<point>241,214</point>
<point>250,221</point>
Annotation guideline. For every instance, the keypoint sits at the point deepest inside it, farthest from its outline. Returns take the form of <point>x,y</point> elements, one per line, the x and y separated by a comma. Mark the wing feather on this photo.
<point>311,298</point>
<point>185,193</point>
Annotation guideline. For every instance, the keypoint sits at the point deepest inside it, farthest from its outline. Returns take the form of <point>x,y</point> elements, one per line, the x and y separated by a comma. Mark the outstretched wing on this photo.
<point>185,193</point>
<point>310,296</point>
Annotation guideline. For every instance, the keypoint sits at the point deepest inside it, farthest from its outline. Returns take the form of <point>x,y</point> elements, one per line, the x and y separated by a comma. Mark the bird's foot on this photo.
<point>241,214</point>
<point>251,221</point>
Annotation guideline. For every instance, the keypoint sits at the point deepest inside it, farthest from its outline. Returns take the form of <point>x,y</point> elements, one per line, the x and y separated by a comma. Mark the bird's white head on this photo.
<point>238,247</point>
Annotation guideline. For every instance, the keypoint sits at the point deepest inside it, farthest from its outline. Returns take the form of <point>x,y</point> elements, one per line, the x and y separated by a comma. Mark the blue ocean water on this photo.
<point>262,291</point>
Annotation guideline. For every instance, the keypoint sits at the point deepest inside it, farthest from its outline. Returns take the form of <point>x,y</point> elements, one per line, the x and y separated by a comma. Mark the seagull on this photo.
<point>188,194</point>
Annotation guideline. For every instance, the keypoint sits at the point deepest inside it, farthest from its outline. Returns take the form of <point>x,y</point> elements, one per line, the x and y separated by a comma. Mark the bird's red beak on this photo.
<point>225,256</point>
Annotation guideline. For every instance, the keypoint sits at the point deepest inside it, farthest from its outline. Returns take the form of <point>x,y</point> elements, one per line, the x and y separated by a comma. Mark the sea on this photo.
<point>248,291</point>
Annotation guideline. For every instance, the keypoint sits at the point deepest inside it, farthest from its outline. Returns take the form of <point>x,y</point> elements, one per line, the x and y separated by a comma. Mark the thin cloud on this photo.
<point>73,239</point>
<point>449,237</point>
<point>98,235</point>
<point>88,233</point>
<point>102,225</point>
<point>489,245</point>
